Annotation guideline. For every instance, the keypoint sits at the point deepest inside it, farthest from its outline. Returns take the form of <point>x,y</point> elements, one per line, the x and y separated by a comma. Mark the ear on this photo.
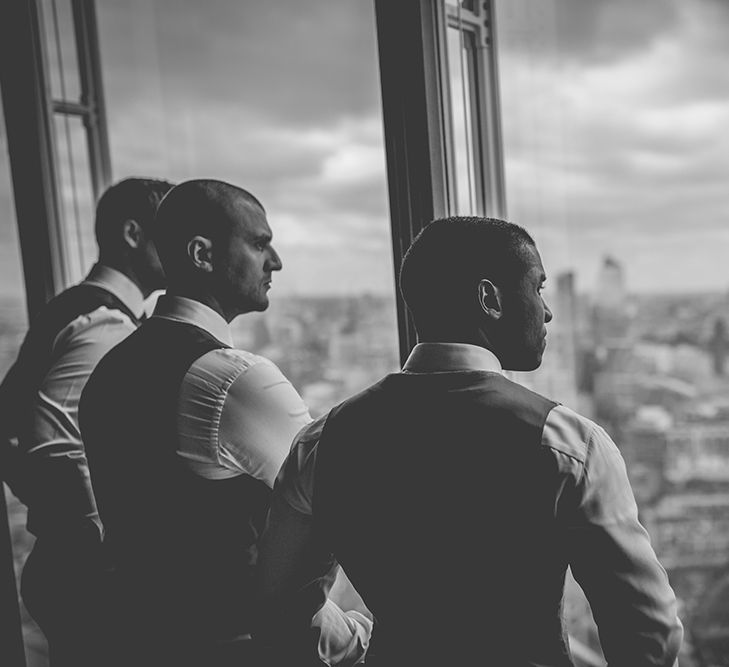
<point>132,233</point>
<point>489,298</point>
<point>200,252</point>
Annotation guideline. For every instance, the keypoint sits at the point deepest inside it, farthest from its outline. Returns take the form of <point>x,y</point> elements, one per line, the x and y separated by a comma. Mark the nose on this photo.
<point>274,261</point>
<point>547,312</point>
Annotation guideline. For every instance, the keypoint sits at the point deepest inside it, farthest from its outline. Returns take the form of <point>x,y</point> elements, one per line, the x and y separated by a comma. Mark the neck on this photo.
<point>129,272</point>
<point>203,297</point>
<point>479,338</point>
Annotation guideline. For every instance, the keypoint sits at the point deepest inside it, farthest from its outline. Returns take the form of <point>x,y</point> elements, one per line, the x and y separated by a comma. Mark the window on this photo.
<point>614,122</point>
<point>472,107</point>
<point>282,99</point>
<point>79,145</point>
<point>598,126</point>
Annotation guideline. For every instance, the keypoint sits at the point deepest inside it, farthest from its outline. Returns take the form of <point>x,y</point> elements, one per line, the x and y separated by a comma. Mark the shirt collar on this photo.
<point>449,357</point>
<point>122,287</point>
<point>189,311</point>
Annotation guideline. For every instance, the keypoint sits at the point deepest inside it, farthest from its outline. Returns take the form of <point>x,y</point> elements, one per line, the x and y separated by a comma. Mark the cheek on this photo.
<point>245,274</point>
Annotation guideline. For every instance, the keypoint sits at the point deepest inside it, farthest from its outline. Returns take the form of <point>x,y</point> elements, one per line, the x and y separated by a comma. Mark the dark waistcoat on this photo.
<point>184,546</point>
<point>437,497</point>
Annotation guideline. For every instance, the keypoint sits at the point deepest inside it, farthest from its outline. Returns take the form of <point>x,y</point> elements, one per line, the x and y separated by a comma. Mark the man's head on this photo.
<point>215,246</point>
<point>478,280</point>
<point>125,216</point>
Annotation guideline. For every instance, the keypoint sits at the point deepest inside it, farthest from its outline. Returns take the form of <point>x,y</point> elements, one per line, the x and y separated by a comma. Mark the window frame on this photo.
<point>418,123</point>
<point>477,20</point>
<point>29,115</point>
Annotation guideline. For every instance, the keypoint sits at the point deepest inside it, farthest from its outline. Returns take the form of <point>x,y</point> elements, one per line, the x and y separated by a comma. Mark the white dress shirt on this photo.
<point>237,412</point>
<point>78,347</point>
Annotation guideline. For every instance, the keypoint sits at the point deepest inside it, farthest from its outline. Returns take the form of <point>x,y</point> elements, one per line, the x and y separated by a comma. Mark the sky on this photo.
<point>615,115</point>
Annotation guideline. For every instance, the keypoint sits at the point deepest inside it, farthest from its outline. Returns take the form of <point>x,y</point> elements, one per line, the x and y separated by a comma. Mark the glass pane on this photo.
<point>76,195</point>
<point>60,48</point>
<point>281,98</point>
<point>617,158</point>
<point>465,4</point>
<point>13,324</point>
<point>464,199</point>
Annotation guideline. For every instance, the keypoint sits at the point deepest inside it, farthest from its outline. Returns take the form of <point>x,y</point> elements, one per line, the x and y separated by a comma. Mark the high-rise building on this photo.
<point>719,346</point>
<point>611,313</point>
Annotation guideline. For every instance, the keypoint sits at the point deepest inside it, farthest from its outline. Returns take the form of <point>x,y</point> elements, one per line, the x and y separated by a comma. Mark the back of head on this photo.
<point>197,207</point>
<point>442,268</point>
<point>130,199</point>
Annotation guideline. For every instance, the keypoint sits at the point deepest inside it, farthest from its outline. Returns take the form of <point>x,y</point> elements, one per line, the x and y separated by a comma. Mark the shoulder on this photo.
<point>304,448</point>
<point>231,363</point>
<point>240,409</point>
<point>230,376</point>
<point>295,482</point>
<point>307,439</point>
<point>77,300</point>
<point>577,439</point>
<point>62,309</point>
<point>238,376</point>
<point>100,317</point>
<point>101,326</point>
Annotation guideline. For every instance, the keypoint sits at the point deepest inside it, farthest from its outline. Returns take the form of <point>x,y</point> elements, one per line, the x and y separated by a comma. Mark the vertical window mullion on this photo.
<point>492,151</point>
<point>92,93</point>
<point>475,22</point>
<point>409,35</point>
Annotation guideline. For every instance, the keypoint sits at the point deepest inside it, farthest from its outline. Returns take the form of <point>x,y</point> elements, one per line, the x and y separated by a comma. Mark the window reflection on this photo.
<point>614,118</point>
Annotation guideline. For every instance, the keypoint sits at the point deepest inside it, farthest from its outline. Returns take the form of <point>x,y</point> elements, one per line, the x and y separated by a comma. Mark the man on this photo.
<point>186,435</point>
<point>456,499</point>
<point>39,413</point>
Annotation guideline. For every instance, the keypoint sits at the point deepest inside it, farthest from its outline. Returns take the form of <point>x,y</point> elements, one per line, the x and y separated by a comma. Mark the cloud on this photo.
<point>586,31</point>
<point>626,156</point>
<point>325,182</point>
<point>296,62</point>
<point>615,116</point>
<point>281,98</point>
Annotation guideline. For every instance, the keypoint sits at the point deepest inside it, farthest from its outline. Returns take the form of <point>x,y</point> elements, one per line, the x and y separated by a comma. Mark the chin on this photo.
<point>534,366</point>
<point>523,364</point>
<point>261,306</point>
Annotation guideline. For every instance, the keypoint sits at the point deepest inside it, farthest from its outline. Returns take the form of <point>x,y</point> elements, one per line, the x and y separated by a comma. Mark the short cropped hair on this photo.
<point>450,256</point>
<point>130,199</point>
<point>196,207</point>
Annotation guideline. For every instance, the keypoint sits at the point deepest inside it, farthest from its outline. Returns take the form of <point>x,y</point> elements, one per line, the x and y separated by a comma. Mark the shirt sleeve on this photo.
<point>609,550</point>
<point>238,414</point>
<point>54,451</point>
<point>300,580</point>
<point>295,483</point>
